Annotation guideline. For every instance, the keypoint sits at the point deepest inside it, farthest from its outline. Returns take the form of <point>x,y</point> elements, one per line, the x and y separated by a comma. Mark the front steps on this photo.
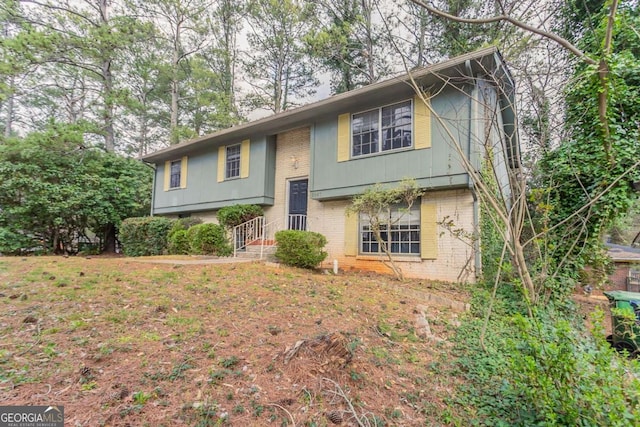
<point>252,251</point>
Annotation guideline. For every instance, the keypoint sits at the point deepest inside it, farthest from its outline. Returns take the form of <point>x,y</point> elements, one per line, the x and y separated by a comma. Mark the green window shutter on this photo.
<point>351,234</point>
<point>428,230</point>
<point>167,175</point>
<point>244,158</point>
<point>344,137</point>
<point>222,156</point>
<point>422,124</point>
<point>183,172</point>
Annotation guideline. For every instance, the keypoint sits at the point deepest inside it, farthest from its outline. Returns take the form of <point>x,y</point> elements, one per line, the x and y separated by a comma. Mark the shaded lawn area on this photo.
<point>122,342</point>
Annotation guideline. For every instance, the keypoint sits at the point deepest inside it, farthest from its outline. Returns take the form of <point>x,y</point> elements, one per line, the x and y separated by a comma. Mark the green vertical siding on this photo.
<point>203,192</point>
<point>434,167</point>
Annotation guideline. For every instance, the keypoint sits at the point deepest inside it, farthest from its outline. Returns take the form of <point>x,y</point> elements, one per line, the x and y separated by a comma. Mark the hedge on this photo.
<point>178,241</point>
<point>208,239</point>
<point>300,248</point>
<point>143,236</point>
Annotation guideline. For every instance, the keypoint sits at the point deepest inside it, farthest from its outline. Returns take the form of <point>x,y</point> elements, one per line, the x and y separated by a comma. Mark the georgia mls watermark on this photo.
<point>31,416</point>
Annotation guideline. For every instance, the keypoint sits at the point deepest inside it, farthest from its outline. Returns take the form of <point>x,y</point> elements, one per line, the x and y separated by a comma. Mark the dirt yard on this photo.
<point>122,342</point>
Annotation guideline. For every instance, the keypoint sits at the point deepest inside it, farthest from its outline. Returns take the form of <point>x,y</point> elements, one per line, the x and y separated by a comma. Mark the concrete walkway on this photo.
<point>198,261</point>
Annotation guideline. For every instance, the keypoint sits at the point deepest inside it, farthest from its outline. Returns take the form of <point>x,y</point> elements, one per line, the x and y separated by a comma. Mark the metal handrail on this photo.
<point>249,231</point>
<point>269,235</point>
<point>253,231</point>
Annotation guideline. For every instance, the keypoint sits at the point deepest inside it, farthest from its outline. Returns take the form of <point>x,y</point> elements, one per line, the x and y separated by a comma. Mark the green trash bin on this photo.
<point>625,317</point>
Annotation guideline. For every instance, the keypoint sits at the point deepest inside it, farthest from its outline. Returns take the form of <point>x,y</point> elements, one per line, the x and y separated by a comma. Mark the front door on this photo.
<point>298,204</point>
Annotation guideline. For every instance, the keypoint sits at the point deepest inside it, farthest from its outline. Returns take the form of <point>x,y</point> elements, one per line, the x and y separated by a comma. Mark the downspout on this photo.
<point>153,186</point>
<point>476,232</point>
<point>477,257</point>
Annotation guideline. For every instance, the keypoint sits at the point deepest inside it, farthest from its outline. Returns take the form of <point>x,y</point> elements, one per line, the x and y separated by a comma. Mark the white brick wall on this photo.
<point>455,261</point>
<point>207,216</point>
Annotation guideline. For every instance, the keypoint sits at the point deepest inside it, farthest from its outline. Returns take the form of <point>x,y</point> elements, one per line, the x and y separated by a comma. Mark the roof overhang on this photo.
<point>482,62</point>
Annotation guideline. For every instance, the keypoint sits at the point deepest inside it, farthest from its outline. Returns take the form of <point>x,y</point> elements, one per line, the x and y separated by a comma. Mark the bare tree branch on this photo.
<point>63,9</point>
<point>561,41</point>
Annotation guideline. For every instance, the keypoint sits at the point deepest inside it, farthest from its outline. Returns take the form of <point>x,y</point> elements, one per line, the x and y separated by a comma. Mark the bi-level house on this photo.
<point>304,165</point>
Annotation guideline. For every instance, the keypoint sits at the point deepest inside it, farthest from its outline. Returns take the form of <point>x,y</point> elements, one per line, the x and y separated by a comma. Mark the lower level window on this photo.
<point>400,232</point>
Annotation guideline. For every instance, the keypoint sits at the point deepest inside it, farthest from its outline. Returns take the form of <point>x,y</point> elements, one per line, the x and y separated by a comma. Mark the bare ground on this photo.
<point>122,342</point>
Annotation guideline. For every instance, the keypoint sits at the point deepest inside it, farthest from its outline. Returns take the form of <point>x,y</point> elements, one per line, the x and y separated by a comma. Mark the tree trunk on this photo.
<point>144,129</point>
<point>109,131</point>
<point>369,57</point>
<point>58,246</point>
<point>229,54</point>
<point>8,127</point>
<point>397,271</point>
<point>107,85</point>
<point>422,38</point>
<point>175,88</point>
<point>109,239</point>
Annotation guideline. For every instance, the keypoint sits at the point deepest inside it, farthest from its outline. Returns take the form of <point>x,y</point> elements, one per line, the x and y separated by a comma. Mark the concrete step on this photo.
<point>253,252</point>
<point>258,248</point>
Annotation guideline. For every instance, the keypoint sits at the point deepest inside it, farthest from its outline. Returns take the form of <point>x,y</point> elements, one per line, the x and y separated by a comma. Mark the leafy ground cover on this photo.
<point>122,342</point>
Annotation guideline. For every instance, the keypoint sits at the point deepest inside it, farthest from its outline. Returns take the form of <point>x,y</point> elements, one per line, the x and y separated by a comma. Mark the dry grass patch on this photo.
<point>123,342</point>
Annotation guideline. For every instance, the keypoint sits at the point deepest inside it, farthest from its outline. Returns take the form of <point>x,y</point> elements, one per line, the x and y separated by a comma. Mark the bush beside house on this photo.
<point>208,239</point>
<point>178,242</point>
<point>300,248</point>
<point>147,236</point>
<point>231,216</point>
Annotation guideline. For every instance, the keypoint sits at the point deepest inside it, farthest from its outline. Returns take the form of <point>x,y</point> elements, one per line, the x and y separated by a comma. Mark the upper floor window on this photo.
<point>382,129</point>
<point>233,161</point>
<point>176,170</point>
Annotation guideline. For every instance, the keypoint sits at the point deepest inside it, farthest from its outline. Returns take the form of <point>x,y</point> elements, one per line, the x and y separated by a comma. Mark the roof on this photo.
<point>620,253</point>
<point>479,62</point>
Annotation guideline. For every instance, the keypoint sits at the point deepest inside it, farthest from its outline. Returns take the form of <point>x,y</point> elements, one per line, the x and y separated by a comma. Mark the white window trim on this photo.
<point>406,256</point>
<point>171,186</point>
<point>226,161</point>
<point>380,151</point>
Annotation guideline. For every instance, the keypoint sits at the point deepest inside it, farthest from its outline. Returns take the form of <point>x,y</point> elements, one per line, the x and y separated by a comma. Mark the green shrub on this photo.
<point>540,369</point>
<point>230,216</point>
<point>208,239</point>
<point>142,236</point>
<point>15,243</point>
<point>567,377</point>
<point>185,223</point>
<point>178,242</point>
<point>300,248</point>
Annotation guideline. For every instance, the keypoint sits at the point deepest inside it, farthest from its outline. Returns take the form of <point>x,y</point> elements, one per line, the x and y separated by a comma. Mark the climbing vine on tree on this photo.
<point>591,179</point>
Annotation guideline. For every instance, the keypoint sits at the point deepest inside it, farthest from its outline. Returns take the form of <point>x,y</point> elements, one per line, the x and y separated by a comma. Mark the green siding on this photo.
<point>435,167</point>
<point>203,192</point>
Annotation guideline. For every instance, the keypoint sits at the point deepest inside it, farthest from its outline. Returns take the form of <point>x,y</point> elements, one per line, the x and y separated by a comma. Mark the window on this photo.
<point>382,129</point>
<point>176,170</point>
<point>401,233</point>
<point>233,161</point>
